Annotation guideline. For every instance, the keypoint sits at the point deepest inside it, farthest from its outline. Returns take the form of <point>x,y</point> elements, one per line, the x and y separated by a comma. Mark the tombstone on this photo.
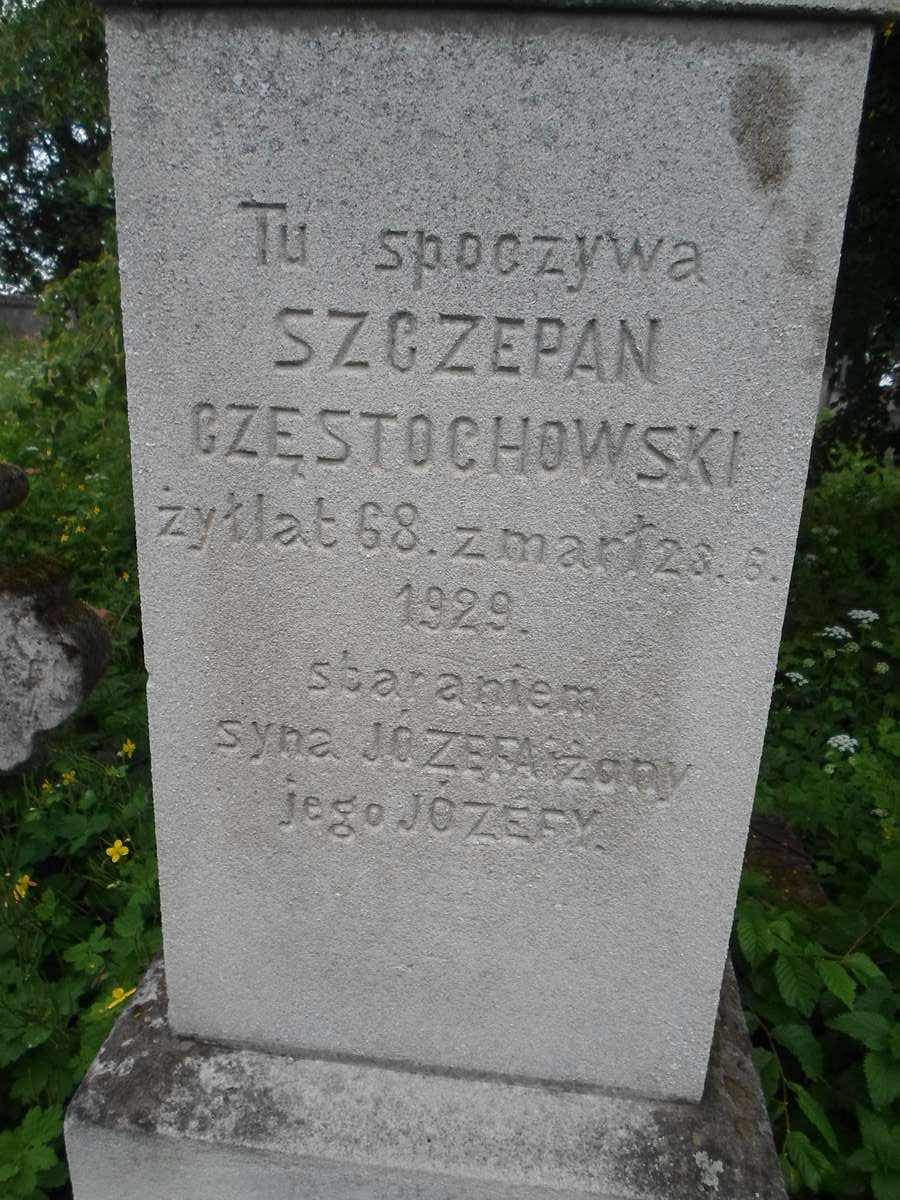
<point>53,652</point>
<point>19,317</point>
<point>473,364</point>
<point>53,648</point>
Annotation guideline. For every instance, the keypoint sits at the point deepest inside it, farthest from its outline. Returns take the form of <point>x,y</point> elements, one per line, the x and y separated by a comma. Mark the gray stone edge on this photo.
<point>865,10</point>
<point>147,1083</point>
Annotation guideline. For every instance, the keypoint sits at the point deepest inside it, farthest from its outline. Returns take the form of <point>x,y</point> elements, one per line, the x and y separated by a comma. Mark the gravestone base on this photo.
<point>181,1118</point>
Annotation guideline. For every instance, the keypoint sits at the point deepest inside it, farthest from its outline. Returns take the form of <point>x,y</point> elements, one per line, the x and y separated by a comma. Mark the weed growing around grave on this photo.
<point>820,970</point>
<point>819,966</point>
<point>78,895</point>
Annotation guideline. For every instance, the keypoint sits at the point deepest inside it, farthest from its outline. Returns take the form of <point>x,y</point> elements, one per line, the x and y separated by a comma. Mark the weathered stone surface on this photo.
<point>825,8</point>
<point>205,1122</point>
<point>13,485</point>
<point>53,649</point>
<point>473,362</point>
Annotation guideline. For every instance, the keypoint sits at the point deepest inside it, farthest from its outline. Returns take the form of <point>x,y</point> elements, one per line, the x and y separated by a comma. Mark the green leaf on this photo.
<point>801,1042</point>
<point>754,937</point>
<point>883,1077</point>
<point>880,1140</point>
<point>792,1180</point>
<point>130,923</point>
<point>812,1165</point>
<point>862,967</point>
<point>870,1028</point>
<point>88,956</point>
<point>837,980</point>
<point>886,1186</point>
<point>767,1068</point>
<point>798,983</point>
<point>893,1044</point>
<point>782,929</point>
<point>815,1114</point>
<point>862,1159</point>
<point>41,1125</point>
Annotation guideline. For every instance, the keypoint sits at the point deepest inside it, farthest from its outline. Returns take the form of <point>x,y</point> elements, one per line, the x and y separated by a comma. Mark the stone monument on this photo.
<point>53,648</point>
<point>473,361</point>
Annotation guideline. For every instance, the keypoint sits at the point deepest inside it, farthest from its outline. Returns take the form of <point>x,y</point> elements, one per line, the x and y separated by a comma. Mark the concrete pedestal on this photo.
<point>180,1119</point>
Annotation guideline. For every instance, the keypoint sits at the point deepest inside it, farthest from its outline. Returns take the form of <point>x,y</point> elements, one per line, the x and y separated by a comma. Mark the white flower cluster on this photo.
<point>881,668</point>
<point>838,632</point>
<point>844,743</point>
<point>865,616</point>
<point>797,678</point>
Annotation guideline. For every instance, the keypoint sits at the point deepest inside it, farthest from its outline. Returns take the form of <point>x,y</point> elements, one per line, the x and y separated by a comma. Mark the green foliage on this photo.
<point>866,322</point>
<point>55,178</point>
<point>78,924</point>
<point>821,981</point>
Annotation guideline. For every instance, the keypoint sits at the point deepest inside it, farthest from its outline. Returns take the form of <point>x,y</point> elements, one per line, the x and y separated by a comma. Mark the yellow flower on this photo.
<point>118,995</point>
<point>21,886</point>
<point>128,748</point>
<point>46,786</point>
<point>67,778</point>
<point>63,537</point>
<point>96,510</point>
<point>79,529</point>
<point>125,576</point>
<point>81,487</point>
<point>117,850</point>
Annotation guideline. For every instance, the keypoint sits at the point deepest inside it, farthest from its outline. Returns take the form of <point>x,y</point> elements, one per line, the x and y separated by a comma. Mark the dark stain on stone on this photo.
<point>137,1096</point>
<point>57,609</point>
<point>800,247</point>
<point>764,102</point>
<point>260,1118</point>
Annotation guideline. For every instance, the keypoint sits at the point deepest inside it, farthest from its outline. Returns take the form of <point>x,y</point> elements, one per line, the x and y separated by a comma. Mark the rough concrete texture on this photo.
<point>473,362</point>
<point>186,1119</point>
<point>53,649</point>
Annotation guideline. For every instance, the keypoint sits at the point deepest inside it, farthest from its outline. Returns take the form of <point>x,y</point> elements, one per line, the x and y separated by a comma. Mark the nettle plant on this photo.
<point>821,979</point>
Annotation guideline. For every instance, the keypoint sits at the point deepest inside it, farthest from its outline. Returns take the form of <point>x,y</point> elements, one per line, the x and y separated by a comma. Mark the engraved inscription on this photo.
<point>520,823</point>
<point>636,548</point>
<point>654,457</point>
<point>276,239</point>
<point>462,610</point>
<point>483,757</point>
<point>592,350</point>
<point>566,260</point>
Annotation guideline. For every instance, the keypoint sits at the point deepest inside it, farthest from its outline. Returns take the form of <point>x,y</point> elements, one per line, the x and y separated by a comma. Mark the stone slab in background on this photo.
<point>53,650</point>
<point>181,1118</point>
<point>19,316</point>
<point>473,363</point>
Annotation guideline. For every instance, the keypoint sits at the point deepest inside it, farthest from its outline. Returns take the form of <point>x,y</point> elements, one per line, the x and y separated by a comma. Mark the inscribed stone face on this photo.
<point>473,361</point>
